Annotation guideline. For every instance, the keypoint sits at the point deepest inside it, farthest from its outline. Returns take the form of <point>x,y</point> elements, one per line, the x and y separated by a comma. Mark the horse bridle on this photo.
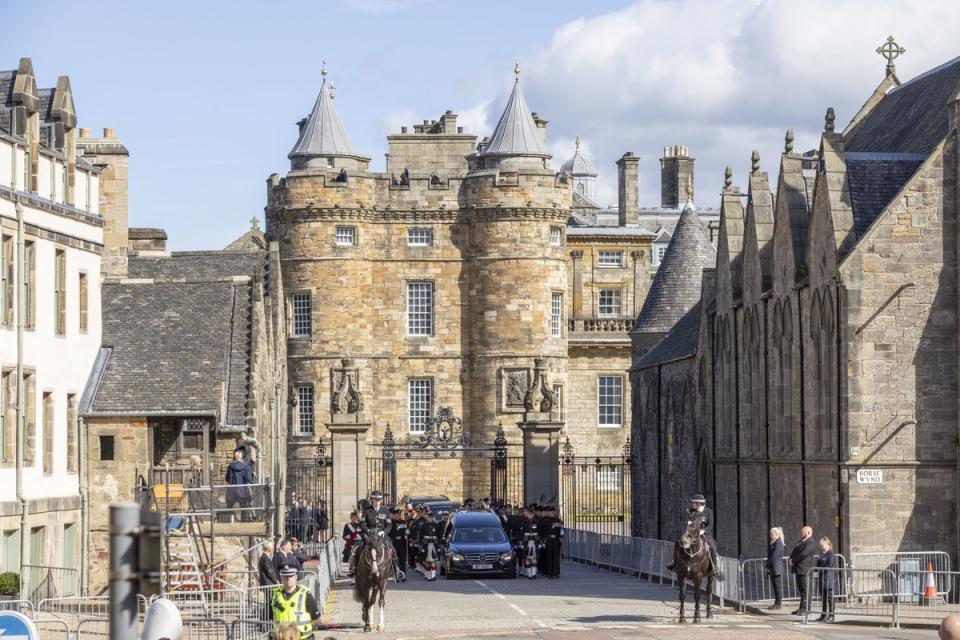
<point>700,543</point>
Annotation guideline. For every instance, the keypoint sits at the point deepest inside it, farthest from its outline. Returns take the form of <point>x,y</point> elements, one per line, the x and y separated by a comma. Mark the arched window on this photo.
<point>785,413</point>
<point>582,188</point>
<point>829,380</point>
<point>816,352</point>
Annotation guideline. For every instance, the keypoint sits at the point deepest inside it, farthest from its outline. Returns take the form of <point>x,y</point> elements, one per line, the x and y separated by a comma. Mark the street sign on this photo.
<point>16,626</point>
<point>869,476</point>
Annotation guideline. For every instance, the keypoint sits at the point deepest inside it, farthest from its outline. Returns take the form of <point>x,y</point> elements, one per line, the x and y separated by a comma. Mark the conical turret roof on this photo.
<point>516,134</point>
<point>323,134</point>
<point>676,287</point>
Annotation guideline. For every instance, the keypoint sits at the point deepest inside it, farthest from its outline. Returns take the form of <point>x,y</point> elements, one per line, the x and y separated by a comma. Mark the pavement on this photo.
<point>582,604</point>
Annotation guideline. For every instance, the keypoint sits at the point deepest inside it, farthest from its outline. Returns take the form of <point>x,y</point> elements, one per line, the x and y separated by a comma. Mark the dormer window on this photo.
<point>330,162</point>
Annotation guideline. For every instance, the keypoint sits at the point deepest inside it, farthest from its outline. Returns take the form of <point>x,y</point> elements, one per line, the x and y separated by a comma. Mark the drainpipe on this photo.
<point>84,507</point>
<point>21,390</point>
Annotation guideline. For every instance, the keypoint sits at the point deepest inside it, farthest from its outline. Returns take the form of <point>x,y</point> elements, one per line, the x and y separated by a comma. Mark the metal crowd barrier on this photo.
<point>910,567</point>
<point>754,586</point>
<point>858,593</point>
<point>39,582</point>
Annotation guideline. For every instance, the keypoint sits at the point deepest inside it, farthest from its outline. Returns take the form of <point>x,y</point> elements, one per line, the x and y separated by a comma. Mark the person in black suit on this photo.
<point>285,556</point>
<point>268,575</point>
<point>775,565</point>
<point>828,579</point>
<point>802,559</point>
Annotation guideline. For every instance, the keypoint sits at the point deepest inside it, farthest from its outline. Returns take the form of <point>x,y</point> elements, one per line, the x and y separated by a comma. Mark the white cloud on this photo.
<point>473,120</point>
<point>721,78</point>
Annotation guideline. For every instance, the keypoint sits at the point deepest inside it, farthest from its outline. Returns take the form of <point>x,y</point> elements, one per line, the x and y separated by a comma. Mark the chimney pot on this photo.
<point>107,132</point>
<point>84,132</point>
<point>403,129</point>
<point>459,129</point>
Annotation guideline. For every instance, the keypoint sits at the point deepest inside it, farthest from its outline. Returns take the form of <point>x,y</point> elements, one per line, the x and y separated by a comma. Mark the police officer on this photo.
<point>294,603</point>
<point>399,536</point>
<point>698,507</point>
<point>552,528</point>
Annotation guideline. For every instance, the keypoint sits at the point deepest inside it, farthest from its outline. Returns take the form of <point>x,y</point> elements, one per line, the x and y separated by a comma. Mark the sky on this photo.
<point>206,94</point>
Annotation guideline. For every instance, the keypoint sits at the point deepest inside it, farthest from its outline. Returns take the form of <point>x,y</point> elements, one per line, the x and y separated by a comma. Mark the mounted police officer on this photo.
<point>374,520</point>
<point>294,603</point>
<point>698,507</point>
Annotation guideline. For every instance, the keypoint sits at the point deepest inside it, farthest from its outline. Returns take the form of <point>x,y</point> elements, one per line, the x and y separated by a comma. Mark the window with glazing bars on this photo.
<point>610,258</point>
<point>419,308</point>
<point>609,302</point>
<point>6,280</point>
<point>610,401</point>
<point>419,403</point>
<point>419,237</point>
<point>556,236</point>
<point>60,291</point>
<point>556,314</point>
<point>345,235</point>
<point>302,320</point>
<point>305,409</point>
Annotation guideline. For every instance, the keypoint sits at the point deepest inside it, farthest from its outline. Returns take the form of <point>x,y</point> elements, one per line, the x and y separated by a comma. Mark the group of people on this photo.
<point>536,527</point>
<point>410,531</point>
<point>307,521</point>
<point>279,568</point>
<point>806,555</point>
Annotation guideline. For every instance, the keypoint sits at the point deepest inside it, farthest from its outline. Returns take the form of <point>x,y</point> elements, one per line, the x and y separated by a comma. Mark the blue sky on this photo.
<point>206,94</point>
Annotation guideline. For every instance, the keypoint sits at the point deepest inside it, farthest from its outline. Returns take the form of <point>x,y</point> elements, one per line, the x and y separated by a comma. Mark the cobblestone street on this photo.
<point>583,604</point>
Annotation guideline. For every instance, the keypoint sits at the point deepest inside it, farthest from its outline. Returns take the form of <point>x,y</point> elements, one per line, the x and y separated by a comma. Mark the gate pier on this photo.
<point>541,440</point>
<point>349,439</point>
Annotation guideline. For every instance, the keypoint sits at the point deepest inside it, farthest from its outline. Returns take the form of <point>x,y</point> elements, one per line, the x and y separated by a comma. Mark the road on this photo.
<point>582,604</point>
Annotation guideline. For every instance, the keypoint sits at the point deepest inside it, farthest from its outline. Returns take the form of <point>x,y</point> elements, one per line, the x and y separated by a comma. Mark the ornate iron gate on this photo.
<point>595,491</point>
<point>444,439</point>
<point>309,489</point>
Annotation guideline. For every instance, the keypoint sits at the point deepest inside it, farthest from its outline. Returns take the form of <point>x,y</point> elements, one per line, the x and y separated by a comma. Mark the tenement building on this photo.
<point>810,373</point>
<point>51,243</point>
<point>439,283</point>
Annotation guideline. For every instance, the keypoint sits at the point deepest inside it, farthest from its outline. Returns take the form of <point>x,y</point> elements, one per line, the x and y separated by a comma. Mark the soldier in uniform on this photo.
<point>552,530</point>
<point>399,536</point>
<point>529,530</point>
<point>430,531</point>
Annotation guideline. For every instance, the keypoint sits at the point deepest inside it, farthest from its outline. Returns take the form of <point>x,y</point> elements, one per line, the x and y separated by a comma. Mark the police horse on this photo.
<point>373,570</point>
<point>691,559</point>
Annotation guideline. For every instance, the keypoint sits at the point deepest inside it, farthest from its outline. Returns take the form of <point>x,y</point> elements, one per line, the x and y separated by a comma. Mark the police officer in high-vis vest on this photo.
<point>294,603</point>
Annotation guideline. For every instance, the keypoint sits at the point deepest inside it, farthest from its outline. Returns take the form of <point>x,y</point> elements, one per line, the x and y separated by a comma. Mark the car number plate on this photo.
<point>483,566</point>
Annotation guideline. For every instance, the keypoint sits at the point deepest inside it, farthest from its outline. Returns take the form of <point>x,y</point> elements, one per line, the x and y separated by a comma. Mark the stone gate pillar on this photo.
<point>541,440</point>
<point>348,429</point>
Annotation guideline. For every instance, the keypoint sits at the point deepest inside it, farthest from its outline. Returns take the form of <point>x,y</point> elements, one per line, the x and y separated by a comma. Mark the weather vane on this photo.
<point>891,51</point>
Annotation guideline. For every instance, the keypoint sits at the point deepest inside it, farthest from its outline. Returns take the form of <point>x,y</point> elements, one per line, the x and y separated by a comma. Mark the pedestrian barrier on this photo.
<point>917,602</point>
<point>859,593</point>
<point>23,606</point>
<point>909,567</point>
<point>52,628</point>
<point>754,588</point>
<point>251,630</point>
<point>39,582</point>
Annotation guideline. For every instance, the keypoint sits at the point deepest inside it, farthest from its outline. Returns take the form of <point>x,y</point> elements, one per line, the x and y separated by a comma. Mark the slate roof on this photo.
<point>911,118</point>
<point>324,133</point>
<point>173,348</point>
<point>680,342</point>
<point>676,287</point>
<point>873,182</point>
<point>195,265</point>
<point>516,134</point>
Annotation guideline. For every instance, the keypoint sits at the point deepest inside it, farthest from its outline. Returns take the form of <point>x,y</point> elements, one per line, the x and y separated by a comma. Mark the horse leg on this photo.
<point>709,596</point>
<point>696,599</point>
<point>366,612</point>
<point>682,578</point>
<point>380,626</point>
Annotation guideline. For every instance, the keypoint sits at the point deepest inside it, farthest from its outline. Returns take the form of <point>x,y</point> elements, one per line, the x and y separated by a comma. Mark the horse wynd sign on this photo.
<point>869,476</point>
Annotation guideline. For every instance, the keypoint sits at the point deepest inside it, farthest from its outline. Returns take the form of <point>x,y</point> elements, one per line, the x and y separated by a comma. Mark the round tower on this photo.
<point>516,209</point>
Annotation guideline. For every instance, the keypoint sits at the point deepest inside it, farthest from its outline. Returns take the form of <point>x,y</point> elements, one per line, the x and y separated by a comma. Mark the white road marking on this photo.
<point>502,597</point>
<point>540,624</point>
<point>517,609</point>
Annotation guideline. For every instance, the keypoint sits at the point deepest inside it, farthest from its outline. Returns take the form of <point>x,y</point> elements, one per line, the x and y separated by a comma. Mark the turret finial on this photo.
<point>755,161</point>
<point>516,69</point>
<point>891,51</point>
<point>577,142</point>
<point>788,142</point>
<point>829,120</point>
<point>323,68</point>
<point>728,178</point>
<point>689,192</point>
<point>332,90</point>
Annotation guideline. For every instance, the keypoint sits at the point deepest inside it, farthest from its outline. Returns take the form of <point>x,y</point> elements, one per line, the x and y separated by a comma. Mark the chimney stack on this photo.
<point>628,182</point>
<point>676,172</point>
<point>109,154</point>
<point>541,123</point>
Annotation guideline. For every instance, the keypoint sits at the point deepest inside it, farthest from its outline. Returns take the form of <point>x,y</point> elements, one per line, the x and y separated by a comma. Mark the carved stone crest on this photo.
<point>539,396</point>
<point>346,398</point>
<point>515,385</point>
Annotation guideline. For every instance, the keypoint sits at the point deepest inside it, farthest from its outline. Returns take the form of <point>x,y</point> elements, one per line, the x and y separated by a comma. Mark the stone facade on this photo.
<point>824,367</point>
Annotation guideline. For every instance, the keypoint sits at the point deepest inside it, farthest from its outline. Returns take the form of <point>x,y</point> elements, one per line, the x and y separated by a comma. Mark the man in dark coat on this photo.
<point>285,556</point>
<point>239,477</point>
<point>268,575</point>
<point>802,559</point>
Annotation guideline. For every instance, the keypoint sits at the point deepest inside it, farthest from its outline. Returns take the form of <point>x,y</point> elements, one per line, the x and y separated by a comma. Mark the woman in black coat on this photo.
<point>828,579</point>
<point>775,565</point>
